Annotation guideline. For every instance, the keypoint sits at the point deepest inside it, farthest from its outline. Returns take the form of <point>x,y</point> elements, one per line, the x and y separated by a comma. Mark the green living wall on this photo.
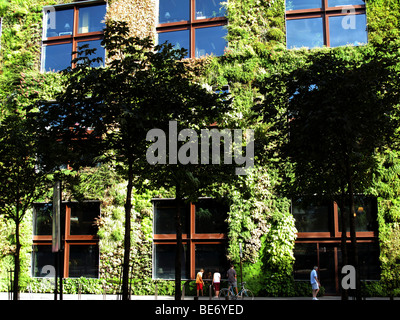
<point>258,217</point>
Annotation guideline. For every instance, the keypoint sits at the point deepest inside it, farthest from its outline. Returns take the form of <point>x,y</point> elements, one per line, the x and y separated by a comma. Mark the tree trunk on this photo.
<point>345,295</point>
<point>353,231</point>
<point>17,257</point>
<point>127,238</point>
<point>179,246</point>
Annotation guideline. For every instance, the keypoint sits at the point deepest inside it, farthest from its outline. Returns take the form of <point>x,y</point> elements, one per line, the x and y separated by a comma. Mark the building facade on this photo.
<point>231,43</point>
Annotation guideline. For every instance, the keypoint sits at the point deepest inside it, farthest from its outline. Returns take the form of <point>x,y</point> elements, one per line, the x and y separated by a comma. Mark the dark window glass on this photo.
<point>42,261</point>
<point>302,4</point>
<point>311,217</point>
<point>206,9</point>
<point>83,218</point>
<point>173,11</point>
<point>43,219</point>
<point>84,261</point>
<point>59,23</point>
<point>179,39</point>
<point>305,259</point>
<point>164,261</point>
<point>348,29</point>
<point>210,41</point>
<point>210,216</point>
<point>211,258</point>
<point>164,217</point>
<point>366,211</point>
<point>91,19</point>
<point>304,33</point>
<point>338,3</point>
<point>100,51</point>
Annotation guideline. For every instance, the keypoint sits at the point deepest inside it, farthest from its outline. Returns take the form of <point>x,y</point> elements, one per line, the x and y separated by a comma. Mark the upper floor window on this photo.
<point>67,27</point>
<point>196,25</point>
<point>333,23</point>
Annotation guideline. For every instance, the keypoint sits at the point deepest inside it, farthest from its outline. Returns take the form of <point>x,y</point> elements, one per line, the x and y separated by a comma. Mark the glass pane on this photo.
<point>173,11</point>
<point>311,217</point>
<point>82,218</point>
<point>304,33</point>
<point>366,210</point>
<point>302,4</point>
<point>211,258</point>
<point>57,57</point>
<point>59,23</point>
<point>84,261</point>
<point>206,9</point>
<point>306,258</point>
<point>210,216</point>
<point>210,41</point>
<point>43,219</point>
<point>164,217</point>
<point>338,3</point>
<point>368,256</point>
<point>179,39</point>
<point>42,261</point>
<point>164,261</point>
<point>91,19</point>
<point>349,29</point>
<point>100,51</point>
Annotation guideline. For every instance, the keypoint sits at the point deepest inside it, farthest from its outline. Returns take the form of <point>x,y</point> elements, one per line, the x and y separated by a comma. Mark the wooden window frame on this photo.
<point>76,37</point>
<point>190,239</point>
<point>192,24</point>
<point>324,12</point>
<point>67,239</point>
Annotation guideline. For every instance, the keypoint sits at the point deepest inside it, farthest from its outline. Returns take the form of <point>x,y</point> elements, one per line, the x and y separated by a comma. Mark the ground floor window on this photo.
<point>80,249</point>
<point>204,238</point>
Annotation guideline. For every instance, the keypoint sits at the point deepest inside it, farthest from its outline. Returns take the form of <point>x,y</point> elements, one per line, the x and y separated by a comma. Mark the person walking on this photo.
<point>199,282</point>
<point>232,279</point>
<point>216,281</point>
<point>315,284</point>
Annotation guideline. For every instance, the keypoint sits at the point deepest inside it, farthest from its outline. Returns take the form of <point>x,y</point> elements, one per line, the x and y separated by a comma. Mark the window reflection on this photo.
<point>173,11</point>
<point>211,258</point>
<point>366,209</point>
<point>91,19</point>
<point>59,23</point>
<point>84,261</point>
<point>57,57</point>
<point>100,51</point>
<point>179,39</point>
<point>311,217</point>
<point>210,41</point>
<point>164,217</point>
<point>304,33</point>
<point>302,4</point>
<point>349,29</point>
<point>206,9</point>
<point>338,3</point>
<point>82,218</point>
<point>42,261</point>
<point>210,216</point>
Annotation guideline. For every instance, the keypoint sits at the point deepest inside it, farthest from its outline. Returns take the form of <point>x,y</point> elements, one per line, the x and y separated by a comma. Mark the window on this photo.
<point>67,27</point>
<point>78,235</point>
<point>196,25</point>
<point>315,23</point>
<point>203,237</point>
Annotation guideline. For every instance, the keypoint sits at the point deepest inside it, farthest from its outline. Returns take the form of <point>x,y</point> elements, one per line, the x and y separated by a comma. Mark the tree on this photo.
<point>105,113</point>
<point>22,177</point>
<point>336,112</point>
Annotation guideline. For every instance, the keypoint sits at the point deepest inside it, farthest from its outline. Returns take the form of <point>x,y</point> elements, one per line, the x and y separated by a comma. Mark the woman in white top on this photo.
<point>216,282</point>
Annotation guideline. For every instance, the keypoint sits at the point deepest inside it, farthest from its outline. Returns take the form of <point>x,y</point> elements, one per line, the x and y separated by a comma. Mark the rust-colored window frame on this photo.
<point>192,25</point>
<point>324,12</point>
<point>67,239</point>
<point>76,37</point>
<point>191,239</point>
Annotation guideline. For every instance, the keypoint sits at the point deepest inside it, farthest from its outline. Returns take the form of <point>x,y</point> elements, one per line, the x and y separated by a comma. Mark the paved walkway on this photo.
<point>50,296</point>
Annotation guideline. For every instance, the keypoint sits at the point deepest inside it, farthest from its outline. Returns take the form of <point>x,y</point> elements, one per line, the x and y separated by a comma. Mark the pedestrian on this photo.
<point>216,281</point>
<point>315,284</point>
<point>199,282</point>
<point>232,279</point>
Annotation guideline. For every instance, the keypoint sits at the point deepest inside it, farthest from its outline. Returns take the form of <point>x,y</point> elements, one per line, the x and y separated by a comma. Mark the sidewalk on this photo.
<point>50,296</point>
